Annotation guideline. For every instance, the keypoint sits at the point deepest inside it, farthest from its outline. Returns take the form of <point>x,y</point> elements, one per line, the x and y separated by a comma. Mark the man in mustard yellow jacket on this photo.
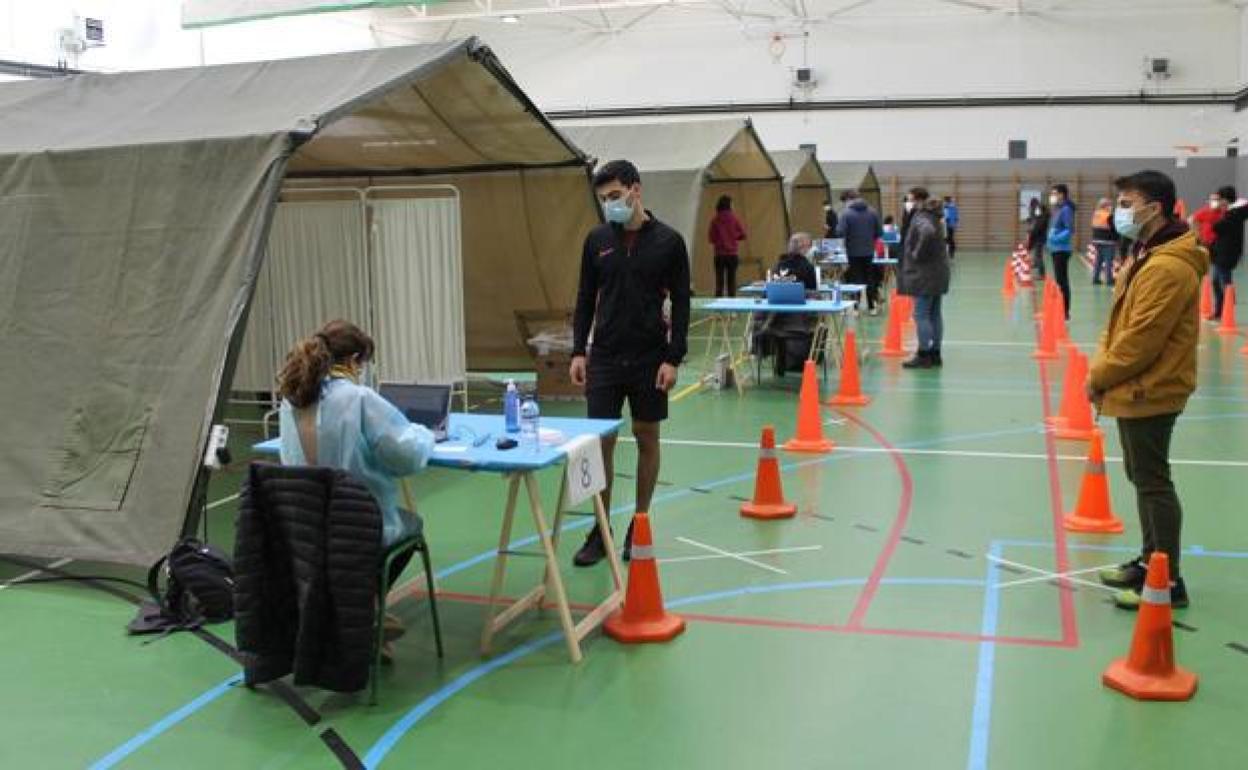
<point>1145,367</point>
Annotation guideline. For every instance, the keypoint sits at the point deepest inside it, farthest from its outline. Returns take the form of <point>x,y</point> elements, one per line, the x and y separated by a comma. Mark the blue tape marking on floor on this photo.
<point>378,751</point>
<point>981,715</point>
<point>386,742</point>
<point>132,745</point>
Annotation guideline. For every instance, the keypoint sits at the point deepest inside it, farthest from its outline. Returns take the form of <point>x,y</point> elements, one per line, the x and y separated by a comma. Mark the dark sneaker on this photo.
<point>592,551</point>
<point>627,554</point>
<point>921,360</point>
<point>1128,575</point>
<point>935,359</point>
<point>1129,599</point>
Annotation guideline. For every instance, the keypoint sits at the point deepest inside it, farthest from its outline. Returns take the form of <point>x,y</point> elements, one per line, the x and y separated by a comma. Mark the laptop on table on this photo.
<point>427,405</point>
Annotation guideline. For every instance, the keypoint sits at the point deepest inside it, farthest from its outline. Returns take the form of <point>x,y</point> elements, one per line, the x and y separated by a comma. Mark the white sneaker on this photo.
<point>873,311</point>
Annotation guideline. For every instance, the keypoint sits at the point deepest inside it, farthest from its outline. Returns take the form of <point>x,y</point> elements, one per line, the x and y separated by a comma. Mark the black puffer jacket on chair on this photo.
<point>307,557</point>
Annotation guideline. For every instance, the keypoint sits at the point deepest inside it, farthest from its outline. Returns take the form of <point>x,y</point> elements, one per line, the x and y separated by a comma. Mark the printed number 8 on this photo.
<point>586,477</point>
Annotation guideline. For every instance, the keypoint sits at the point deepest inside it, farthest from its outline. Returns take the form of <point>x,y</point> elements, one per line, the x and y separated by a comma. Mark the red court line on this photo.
<point>899,524</point>
<point>1070,628</point>
<point>796,625</point>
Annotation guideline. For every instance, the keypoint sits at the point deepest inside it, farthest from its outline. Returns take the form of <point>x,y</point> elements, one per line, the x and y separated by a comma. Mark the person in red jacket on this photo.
<point>1207,217</point>
<point>726,231</point>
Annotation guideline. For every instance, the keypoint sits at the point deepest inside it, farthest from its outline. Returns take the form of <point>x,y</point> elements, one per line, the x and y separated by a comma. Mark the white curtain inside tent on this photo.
<point>404,285</point>
<point>418,282</point>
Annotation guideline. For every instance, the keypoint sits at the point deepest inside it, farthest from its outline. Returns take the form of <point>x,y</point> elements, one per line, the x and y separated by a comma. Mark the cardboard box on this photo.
<point>548,336</point>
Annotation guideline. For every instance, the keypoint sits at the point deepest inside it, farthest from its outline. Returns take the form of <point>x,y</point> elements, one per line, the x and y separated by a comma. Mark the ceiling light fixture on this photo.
<point>511,20</point>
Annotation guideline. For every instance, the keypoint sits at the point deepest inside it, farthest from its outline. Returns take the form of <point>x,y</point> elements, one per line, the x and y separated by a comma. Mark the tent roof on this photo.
<point>429,107</point>
<point>800,169</point>
<point>847,176</point>
<point>725,149</point>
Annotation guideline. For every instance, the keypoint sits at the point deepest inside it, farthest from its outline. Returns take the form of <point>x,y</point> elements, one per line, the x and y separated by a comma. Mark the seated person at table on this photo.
<point>789,334</point>
<point>892,237</point>
<point>796,264</point>
<point>328,418</point>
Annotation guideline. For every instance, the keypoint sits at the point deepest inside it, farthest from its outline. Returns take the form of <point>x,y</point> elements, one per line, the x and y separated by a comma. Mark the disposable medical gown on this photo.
<point>365,435</point>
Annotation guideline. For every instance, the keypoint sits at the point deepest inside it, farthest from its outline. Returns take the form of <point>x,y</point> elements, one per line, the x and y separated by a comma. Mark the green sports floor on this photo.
<point>906,618</point>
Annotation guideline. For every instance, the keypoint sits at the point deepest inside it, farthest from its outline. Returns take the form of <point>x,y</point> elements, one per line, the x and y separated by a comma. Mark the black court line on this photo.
<point>1008,568</point>
<point>913,540</point>
<point>334,742</point>
<point>959,554</point>
<point>1237,647</point>
<point>867,527</point>
<point>821,516</point>
<point>739,499</point>
<point>283,691</point>
<point>1184,626</point>
<point>700,490</point>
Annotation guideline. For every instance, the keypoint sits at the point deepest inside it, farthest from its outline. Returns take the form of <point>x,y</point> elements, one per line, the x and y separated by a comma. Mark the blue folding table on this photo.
<point>472,448</point>
<point>829,328</point>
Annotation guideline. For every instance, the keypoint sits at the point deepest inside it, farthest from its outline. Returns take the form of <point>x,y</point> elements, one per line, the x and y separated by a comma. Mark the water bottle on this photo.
<point>529,415</point>
<point>511,408</point>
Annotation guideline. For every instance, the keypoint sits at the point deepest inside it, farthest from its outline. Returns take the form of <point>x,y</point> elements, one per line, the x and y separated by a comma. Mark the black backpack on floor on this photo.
<point>199,588</point>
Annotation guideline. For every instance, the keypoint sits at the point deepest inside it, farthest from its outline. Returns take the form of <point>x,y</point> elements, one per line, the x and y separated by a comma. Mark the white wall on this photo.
<point>139,34</point>
<point>663,61</point>
<point>147,34</point>
<point>983,133</point>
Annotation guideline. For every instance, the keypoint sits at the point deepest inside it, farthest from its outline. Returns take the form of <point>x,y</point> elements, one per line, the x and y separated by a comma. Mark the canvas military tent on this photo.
<point>805,188</point>
<point>843,177</point>
<point>685,167</point>
<point>135,210</point>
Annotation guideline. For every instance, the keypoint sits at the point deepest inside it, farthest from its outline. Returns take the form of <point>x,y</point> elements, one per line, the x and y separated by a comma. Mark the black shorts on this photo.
<point>610,382</point>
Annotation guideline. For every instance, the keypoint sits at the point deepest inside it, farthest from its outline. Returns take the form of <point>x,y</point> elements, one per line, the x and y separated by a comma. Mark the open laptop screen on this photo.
<point>427,405</point>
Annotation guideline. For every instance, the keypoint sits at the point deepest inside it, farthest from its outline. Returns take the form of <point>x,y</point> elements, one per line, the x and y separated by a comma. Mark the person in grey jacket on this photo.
<point>860,227</point>
<point>925,273</point>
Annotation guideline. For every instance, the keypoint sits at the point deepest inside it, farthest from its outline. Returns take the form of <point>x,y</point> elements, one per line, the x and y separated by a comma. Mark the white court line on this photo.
<point>737,557</point>
<point>1050,575</point>
<point>222,502</point>
<point>1042,578</point>
<point>947,452</point>
<point>34,573</point>
<point>741,553</point>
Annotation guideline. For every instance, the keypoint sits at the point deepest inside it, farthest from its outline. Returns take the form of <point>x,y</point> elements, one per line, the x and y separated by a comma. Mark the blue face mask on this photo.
<point>618,211</point>
<point>1125,224</point>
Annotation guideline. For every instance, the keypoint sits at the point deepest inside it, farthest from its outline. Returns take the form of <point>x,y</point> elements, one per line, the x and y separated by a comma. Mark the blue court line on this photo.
<point>386,743</point>
<point>132,745</point>
<point>148,735</point>
<point>981,715</point>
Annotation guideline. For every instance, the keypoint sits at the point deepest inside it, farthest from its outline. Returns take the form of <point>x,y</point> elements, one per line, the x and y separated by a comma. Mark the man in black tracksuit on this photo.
<point>629,267</point>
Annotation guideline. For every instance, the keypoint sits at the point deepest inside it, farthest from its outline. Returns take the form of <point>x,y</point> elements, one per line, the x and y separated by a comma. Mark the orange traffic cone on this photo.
<point>809,421</point>
<point>1046,347</point>
<point>768,502</point>
<point>892,333</point>
<point>1068,386</point>
<point>1078,425</point>
<point>1092,512</point>
<point>1228,312</point>
<point>1149,672</point>
<point>1007,281</point>
<point>643,619</point>
<point>1046,299</point>
<point>851,389</point>
<point>1206,298</point>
